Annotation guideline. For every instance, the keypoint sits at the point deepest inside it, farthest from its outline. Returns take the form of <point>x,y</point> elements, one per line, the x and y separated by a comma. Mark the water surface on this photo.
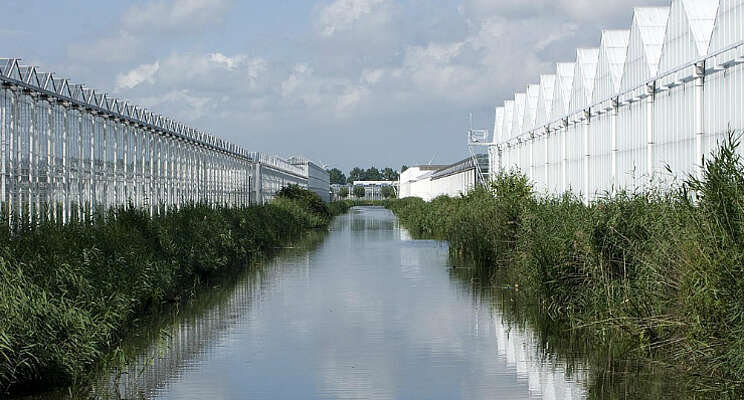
<point>366,313</point>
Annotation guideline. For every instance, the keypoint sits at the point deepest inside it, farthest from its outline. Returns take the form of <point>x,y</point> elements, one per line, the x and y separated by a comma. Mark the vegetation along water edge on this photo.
<point>661,270</point>
<point>69,293</point>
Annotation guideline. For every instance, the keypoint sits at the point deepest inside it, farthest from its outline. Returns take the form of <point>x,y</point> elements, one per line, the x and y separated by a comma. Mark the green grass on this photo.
<point>69,293</point>
<point>662,272</point>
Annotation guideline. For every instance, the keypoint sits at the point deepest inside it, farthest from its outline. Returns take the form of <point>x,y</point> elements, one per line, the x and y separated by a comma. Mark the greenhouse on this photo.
<point>652,99</point>
<point>70,152</point>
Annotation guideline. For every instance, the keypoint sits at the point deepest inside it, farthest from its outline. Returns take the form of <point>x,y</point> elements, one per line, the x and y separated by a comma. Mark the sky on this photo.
<point>344,82</point>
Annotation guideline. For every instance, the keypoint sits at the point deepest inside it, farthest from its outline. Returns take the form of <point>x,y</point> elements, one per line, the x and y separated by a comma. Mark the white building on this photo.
<point>373,189</point>
<point>413,180</point>
<point>663,93</point>
<point>428,182</point>
<point>271,173</point>
<point>318,179</point>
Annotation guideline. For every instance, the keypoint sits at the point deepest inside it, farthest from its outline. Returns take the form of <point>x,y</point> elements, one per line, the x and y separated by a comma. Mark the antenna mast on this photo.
<point>477,138</point>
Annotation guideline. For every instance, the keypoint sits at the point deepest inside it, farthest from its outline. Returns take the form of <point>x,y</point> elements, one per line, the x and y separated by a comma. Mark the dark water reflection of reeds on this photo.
<point>168,341</point>
<point>606,371</point>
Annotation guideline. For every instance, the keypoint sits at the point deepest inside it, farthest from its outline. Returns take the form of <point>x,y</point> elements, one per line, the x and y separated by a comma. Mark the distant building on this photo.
<point>373,189</point>
<point>318,179</point>
<point>414,180</point>
<point>430,181</point>
<point>271,173</point>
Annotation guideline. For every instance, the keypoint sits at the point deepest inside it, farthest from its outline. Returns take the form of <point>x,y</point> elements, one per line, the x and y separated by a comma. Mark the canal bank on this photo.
<point>70,293</point>
<point>654,272</point>
<point>363,311</point>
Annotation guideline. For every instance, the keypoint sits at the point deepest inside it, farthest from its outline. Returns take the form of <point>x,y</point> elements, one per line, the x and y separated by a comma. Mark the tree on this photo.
<point>403,169</point>
<point>387,192</point>
<point>337,177</point>
<point>344,192</point>
<point>356,174</point>
<point>359,191</point>
<point>389,174</point>
<point>372,174</point>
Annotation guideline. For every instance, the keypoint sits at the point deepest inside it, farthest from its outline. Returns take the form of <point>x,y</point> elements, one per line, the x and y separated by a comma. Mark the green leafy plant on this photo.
<point>69,293</point>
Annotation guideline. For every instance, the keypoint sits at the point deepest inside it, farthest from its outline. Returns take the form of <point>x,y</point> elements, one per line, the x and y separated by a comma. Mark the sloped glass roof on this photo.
<point>651,23</point>
<point>563,87</point>
<point>545,103</point>
<point>615,47</point>
<point>701,14</point>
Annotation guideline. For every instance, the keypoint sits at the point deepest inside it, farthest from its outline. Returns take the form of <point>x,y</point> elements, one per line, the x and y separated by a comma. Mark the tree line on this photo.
<point>359,192</point>
<point>360,174</point>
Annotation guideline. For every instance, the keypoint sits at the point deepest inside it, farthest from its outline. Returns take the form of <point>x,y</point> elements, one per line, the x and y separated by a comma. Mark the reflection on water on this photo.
<point>366,314</point>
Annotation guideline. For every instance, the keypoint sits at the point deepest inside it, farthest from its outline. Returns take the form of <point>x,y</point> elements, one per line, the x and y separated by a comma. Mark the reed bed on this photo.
<point>69,293</point>
<point>661,271</point>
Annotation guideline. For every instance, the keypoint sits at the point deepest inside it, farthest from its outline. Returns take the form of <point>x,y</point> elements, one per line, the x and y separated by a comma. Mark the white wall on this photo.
<point>669,111</point>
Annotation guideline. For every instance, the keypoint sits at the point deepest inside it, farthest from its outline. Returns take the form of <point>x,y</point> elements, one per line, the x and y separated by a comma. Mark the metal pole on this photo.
<point>587,155</point>
<point>92,189</point>
<point>142,161</point>
<point>4,141</point>
<point>499,161</point>
<point>170,185</point>
<point>699,118</point>
<point>32,190</point>
<point>564,155</point>
<point>613,121</point>
<point>177,175</point>
<point>125,138</point>
<point>531,143</point>
<point>160,171</point>
<point>51,203</point>
<point>104,159</point>
<point>135,165</point>
<point>651,92</point>
<point>165,154</point>
<point>547,158</point>
<point>65,165</point>
<point>79,180</point>
<point>190,172</point>
<point>117,125</point>
<point>152,171</point>
<point>12,163</point>
<point>197,172</point>
<point>259,184</point>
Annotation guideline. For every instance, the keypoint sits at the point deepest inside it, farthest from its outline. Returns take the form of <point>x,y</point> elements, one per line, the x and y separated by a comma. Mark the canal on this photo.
<point>362,312</point>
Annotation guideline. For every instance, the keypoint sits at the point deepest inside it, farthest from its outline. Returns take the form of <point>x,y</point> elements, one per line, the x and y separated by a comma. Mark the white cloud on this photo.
<point>109,49</point>
<point>434,53</point>
<point>371,77</point>
<point>189,86</point>
<point>181,104</point>
<point>214,70</point>
<point>139,22</point>
<point>141,74</point>
<point>350,98</point>
<point>174,15</point>
<point>341,15</point>
<point>590,10</point>
<point>326,96</point>
<point>301,73</point>
<point>231,63</point>
<point>585,11</point>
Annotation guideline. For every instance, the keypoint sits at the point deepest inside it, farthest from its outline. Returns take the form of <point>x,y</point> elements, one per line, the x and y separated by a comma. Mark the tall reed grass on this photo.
<point>69,293</point>
<point>661,270</point>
